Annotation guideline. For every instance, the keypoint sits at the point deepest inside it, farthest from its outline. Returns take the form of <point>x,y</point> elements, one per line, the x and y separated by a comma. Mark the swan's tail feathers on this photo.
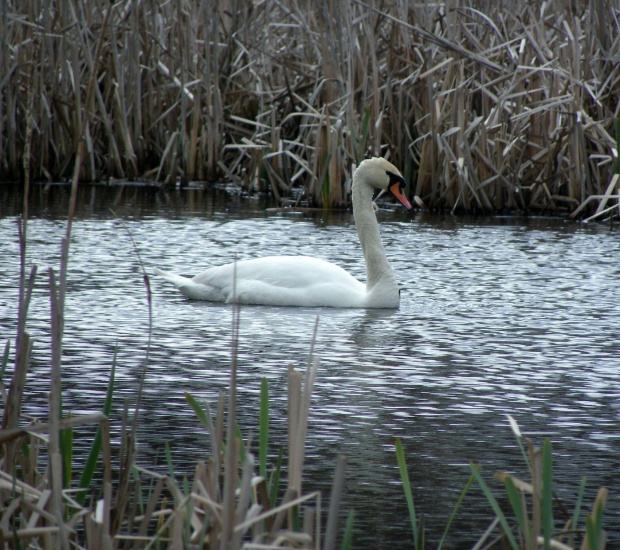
<point>176,280</point>
<point>192,290</point>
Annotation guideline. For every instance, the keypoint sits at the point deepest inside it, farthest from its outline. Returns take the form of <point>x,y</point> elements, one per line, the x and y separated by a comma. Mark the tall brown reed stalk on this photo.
<point>486,106</point>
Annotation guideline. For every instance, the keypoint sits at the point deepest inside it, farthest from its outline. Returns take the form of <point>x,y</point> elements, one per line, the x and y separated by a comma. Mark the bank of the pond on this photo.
<point>483,106</point>
<point>206,197</point>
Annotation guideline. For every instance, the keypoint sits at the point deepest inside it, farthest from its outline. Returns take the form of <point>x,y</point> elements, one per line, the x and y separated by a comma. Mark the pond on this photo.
<point>498,316</point>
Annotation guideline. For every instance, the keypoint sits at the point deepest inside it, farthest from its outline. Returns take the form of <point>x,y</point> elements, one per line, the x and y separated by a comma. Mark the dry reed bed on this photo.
<point>486,106</point>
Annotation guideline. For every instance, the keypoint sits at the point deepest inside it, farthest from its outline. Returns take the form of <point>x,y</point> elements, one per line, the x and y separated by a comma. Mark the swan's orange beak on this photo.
<point>396,189</point>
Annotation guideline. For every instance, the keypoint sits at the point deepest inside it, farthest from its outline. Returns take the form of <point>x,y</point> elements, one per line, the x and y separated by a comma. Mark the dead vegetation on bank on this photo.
<point>486,106</point>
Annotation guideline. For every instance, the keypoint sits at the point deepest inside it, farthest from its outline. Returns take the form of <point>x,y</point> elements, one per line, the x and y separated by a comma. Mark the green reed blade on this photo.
<point>347,539</point>
<point>594,521</point>
<point>198,410</point>
<point>455,510</point>
<point>495,506</point>
<point>242,446</point>
<point>93,456</point>
<point>169,460</point>
<point>422,531</point>
<point>577,510</point>
<point>274,484</point>
<point>592,533</point>
<point>17,545</point>
<point>514,496</point>
<point>600,510</point>
<point>135,474</point>
<point>263,432</point>
<point>547,493</point>
<point>404,476</point>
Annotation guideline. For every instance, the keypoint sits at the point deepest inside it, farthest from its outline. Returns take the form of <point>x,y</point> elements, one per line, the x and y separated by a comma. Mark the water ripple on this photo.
<point>497,317</point>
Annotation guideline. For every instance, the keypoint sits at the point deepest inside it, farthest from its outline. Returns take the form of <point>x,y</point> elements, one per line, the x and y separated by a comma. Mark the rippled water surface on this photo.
<point>498,316</point>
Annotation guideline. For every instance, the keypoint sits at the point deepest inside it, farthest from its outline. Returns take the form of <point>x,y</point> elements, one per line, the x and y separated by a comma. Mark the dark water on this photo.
<point>498,316</point>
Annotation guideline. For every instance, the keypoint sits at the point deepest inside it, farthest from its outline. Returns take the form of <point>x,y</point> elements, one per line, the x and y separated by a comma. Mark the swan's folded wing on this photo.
<point>280,271</point>
<point>285,281</point>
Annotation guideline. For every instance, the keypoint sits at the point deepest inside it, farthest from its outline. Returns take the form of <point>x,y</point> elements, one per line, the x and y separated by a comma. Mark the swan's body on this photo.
<point>306,281</point>
<point>275,281</point>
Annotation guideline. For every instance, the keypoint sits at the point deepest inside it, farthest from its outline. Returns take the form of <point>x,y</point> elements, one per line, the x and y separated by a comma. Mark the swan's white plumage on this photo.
<point>306,281</point>
<point>273,281</point>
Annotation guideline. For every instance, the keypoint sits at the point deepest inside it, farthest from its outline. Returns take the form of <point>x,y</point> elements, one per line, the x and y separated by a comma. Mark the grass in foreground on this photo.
<point>235,498</point>
<point>530,523</point>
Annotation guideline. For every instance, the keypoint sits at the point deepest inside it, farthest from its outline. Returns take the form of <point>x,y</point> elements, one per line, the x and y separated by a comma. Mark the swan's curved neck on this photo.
<point>377,266</point>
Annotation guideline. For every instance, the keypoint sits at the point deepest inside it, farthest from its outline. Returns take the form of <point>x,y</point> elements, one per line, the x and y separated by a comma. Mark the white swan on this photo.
<point>311,282</point>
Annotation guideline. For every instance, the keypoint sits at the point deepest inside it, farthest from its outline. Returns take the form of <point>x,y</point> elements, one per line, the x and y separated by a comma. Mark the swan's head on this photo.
<point>381,174</point>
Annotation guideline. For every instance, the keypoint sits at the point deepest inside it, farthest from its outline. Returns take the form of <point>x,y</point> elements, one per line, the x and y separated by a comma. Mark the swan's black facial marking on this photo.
<point>395,180</point>
<point>397,187</point>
